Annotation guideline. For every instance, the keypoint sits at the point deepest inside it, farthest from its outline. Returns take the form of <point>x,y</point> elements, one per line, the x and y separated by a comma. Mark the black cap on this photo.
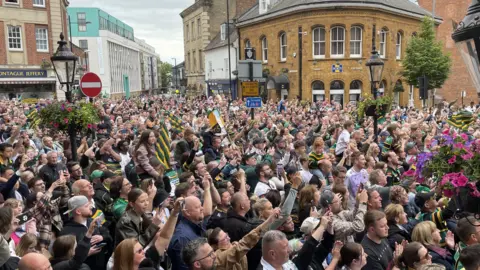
<point>422,197</point>
<point>247,156</point>
<point>291,170</point>
<point>107,174</point>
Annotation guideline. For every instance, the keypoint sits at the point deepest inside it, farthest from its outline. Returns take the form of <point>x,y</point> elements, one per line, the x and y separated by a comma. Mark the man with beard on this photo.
<point>356,177</point>
<point>264,173</point>
<point>375,243</point>
<point>393,169</point>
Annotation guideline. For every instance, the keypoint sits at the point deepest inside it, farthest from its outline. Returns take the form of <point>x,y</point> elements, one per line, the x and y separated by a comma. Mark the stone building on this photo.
<point>201,23</point>
<point>336,42</point>
<point>452,11</point>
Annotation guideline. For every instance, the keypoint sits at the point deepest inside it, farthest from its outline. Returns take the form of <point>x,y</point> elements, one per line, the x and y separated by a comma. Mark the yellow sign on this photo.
<point>250,89</point>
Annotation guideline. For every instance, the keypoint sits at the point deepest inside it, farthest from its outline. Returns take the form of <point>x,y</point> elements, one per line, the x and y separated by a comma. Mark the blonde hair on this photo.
<point>13,203</point>
<point>260,206</point>
<point>392,211</point>
<point>26,241</point>
<point>124,254</point>
<point>318,142</point>
<point>423,232</point>
<point>432,266</point>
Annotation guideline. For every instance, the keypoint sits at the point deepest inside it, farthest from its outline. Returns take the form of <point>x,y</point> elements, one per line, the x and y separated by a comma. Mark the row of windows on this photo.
<point>337,43</point>
<point>15,42</point>
<point>105,24</point>
<point>36,3</point>
<point>354,85</point>
<point>195,32</point>
<point>191,63</point>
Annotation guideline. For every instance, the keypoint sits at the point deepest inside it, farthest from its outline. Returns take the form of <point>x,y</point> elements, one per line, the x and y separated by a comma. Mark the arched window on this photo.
<point>381,88</point>
<point>319,42</point>
<point>399,46</point>
<point>383,43</point>
<point>283,47</point>
<point>336,85</point>
<point>356,41</point>
<point>336,91</point>
<point>396,95</point>
<point>264,50</point>
<point>318,91</point>
<point>337,41</point>
<point>355,90</point>
<point>248,44</point>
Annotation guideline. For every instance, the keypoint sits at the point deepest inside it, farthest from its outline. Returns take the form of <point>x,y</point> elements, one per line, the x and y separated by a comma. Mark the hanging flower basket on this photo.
<point>59,115</point>
<point>398,88</point>
<point>370,106</point>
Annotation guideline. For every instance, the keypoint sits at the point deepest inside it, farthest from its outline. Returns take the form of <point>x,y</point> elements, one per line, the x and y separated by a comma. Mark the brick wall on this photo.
<point>452,10</point>
<point>34,57</point>
<point>3,46</point>
<point>243,5</point>
<point>28,3</point>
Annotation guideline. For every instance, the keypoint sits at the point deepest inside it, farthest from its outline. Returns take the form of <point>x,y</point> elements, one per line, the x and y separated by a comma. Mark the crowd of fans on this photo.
<point>299,186</point>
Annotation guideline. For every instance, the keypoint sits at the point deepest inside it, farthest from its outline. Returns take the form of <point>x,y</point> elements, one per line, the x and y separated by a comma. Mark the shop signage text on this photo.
<point>23,73</point>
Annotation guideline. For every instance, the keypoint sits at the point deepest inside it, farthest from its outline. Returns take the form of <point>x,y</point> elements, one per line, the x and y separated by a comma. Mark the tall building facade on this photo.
<point>29,31</point>
<point>329,44</point>
<point>452,11</point>
<point>112,51</point>
<point>148,66</point>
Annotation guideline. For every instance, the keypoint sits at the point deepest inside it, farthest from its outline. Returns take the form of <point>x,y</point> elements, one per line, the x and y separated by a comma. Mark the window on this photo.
<point>247,43</point>
<point>187,31</point>
<point>225,61</point>
<point>338,41</point>
<point>41,37</point>
<point>263,5</point>
<point>318,91</point>
<point>383,43</point>
<point>223,31</point>
<point>15,2</point>
<point>264,50</point>
<point>283,47</point>
<point>319,42</point>
<point>189,66</point>
<point>199,28</point>
<point>39,3</point>
<point>83,44</point>
<point>193,30</point>
<point>337,91</point>
<point>82,21</point>
<point>210,69</point>
<point>200,61</point>
<point>355,91</point>
<point>399,45</point>
<point>356,42</point>
<point>194,67</point>
<point>336,85</point>
<point>15,38</point>
<point>381,89</point>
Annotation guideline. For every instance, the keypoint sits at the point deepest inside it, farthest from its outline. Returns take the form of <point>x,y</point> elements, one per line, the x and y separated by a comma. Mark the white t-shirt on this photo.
<point>262,188</point>
<point>342,142</point>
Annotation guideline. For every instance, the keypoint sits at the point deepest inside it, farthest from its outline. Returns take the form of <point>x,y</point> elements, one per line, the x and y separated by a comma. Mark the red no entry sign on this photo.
<point>91,85</point>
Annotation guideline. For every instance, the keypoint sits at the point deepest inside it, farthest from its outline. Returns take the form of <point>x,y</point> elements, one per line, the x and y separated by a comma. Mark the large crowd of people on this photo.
<point>163,183</point>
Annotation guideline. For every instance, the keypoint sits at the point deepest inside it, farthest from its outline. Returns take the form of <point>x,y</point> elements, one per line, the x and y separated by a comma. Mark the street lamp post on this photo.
<point>467,40</point>
<point>64,63</point>
<point>375,70</point>
<point>176,73</point>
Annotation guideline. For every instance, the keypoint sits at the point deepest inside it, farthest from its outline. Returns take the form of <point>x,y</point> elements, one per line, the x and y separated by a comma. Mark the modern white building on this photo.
<point>111,50</point>
<point>148,66</point>
<point>217,68</point>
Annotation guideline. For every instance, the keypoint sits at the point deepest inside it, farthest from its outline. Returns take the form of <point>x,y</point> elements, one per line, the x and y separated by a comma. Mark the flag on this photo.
<point>162,147</point>
<point>216,122</point>
<point>33,119</point>
<point>175,122</point>
<point>462,120</point>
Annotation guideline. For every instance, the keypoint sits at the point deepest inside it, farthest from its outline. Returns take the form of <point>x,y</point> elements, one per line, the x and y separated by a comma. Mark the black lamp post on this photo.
<point>467,39</point>
<point>64,63</point>
<point>375,70</point>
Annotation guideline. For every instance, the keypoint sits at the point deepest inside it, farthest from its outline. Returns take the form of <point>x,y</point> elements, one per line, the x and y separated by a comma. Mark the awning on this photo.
<point>28,81</point>
<point>280,82</point>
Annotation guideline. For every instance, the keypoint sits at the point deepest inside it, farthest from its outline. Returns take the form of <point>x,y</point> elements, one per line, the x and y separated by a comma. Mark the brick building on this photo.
<point>452,11</point>
<point>201,23</point>
<point>29,30</point>
<point>336,42</point>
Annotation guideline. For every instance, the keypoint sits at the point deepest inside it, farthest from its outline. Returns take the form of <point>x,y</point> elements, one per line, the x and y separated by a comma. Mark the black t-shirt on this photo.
<point>379,255</point>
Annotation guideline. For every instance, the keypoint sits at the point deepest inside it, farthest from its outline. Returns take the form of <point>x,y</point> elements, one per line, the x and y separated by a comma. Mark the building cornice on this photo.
<point>195,6</point>
<point>328,6</point>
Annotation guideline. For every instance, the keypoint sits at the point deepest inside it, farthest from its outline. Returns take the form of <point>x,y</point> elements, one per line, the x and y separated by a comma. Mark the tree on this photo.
<point>424,56</point>
<point>166,73</point>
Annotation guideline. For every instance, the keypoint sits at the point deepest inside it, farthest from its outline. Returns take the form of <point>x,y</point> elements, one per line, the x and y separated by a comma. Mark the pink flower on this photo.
<point>66,120</point>
<point>55,125</point>
<point>467,156</point>
<point>452,160</point>
<point>446,131</point>
<point>458,145</point>
<point>445,180</point>
<point>89,126</point>
<point>448,193</point>
<point>460,180</point>
<point>464,136</point>
<point>69,109</point>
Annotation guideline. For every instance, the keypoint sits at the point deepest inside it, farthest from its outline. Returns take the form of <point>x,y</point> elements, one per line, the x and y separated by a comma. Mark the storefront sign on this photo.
<point>250,89</point>
<point>23,73</point>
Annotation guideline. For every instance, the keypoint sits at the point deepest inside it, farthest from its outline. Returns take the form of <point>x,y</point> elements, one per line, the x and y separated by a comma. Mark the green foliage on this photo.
<point>424,56</point>
<point>378,103</point>
<point>59,115</point>
<point>166,73</point>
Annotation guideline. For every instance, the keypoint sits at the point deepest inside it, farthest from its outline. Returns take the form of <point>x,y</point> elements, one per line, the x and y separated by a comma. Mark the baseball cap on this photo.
<point>422,197</point>
<point>409,146</point>
<point>76,202</point>
<point>247,156</point>
<point>107,174</point>
<point>384,134</point>
<point>308,225</point>
<point>326,198</point>
<point>96,174</point>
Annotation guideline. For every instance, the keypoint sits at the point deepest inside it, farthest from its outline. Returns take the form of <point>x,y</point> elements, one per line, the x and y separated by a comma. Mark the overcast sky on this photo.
<point>158,22</point>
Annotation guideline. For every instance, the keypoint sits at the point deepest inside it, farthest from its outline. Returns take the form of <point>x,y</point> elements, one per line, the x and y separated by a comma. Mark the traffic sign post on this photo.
<point>250,89</point>
<point>254,102</point>
<point>91,85</point>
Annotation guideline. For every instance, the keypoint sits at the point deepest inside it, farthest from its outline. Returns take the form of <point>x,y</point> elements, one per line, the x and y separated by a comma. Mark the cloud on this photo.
<point>158,22</point>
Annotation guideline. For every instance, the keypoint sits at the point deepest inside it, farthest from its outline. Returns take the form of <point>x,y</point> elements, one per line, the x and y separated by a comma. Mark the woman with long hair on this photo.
<point>68,254</point>
<point>415,256</point>
<point>119,189</point>
<point>137,221</point>
<point>352,257</point>
<point>130,254</point>
<point>427,234</point>
<point>397,219</point>
<point>28,244</point>
<point>373,152</point>
<point>309,198</point>
<point>143,152</point>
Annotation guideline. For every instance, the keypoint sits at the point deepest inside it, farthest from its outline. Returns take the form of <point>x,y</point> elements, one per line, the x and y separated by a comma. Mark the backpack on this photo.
<point>131,173</point>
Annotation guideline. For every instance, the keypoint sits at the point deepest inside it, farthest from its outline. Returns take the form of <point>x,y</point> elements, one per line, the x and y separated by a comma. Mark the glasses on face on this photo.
<point>211,255</point>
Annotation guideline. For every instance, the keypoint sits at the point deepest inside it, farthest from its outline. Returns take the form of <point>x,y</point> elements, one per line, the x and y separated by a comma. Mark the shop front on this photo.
<point>221,87</point>
<point>26,84</point>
